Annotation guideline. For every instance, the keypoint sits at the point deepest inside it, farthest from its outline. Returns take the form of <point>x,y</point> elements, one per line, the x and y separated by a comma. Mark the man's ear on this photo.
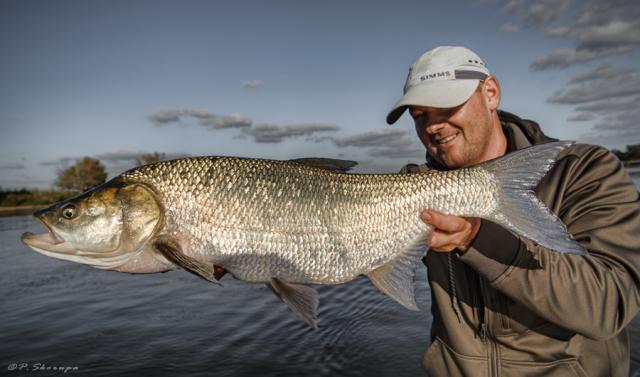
<point>491,92</point>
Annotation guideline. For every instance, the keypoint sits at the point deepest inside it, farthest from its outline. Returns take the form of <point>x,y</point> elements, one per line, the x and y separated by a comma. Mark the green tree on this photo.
<point>620,154</point>
<point>150,158</point>
<point>633,151</point>
<point>86,173</point>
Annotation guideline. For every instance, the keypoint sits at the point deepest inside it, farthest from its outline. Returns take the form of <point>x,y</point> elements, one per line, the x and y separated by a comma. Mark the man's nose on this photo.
<point>435,127</point>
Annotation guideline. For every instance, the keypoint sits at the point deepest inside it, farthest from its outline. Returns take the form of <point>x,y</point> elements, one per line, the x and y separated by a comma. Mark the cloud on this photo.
<point>409,152</point>
<point>204,118</point>
<point>119,156</point>
<point>610,105</point>
<point>537,13</point>
<point>600,28</point>
<point>62,161</point>
<point>604,82</point>
<point>604,97</point>
<point>514,6</point>
<point>617,129</point>
<point>116,158</point>
<point>374,138</point>
<point>271,133</point>
<point>613,34</point>
<point>608,96</point>
<point>623,122</point>
<point>261,133</point>
<point>581,117</point>
<point>318,139</point>
<point>388,143</point>
<point>564,57</point>
<point>22,181</point>
<point>543,12</point>
<point>252,84</point>
<point>134,156</point>
<point>510,28</point>
<point>604,71</point>
<point>12,166</point>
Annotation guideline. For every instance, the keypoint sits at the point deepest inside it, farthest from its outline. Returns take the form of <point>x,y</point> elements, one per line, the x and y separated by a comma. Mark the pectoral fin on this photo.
<point>171,249</point>
<point>300,298</point>
<point>396,278</point>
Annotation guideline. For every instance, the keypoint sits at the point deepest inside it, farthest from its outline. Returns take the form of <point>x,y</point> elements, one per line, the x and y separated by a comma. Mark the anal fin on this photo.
<point>396,278</point>
<point>301,299</point>
<point>171,249</point>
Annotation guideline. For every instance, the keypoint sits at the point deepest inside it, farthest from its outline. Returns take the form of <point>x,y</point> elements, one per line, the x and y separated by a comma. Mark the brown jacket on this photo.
<point>529,311</point>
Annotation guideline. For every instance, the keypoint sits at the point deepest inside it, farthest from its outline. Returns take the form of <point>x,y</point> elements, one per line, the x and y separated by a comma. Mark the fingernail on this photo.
<point>426,216</point>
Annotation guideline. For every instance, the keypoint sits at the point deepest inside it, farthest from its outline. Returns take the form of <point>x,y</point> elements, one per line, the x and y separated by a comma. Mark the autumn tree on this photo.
<point>86,173</point>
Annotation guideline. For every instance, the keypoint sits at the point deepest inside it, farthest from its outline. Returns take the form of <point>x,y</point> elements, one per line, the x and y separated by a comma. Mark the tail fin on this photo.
<point>520,211</point>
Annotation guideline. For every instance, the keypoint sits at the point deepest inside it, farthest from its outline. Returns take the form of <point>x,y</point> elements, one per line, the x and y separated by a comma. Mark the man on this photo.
<point>502,305</point>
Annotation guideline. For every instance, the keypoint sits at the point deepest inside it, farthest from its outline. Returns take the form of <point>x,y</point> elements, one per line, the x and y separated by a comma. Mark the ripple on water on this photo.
<point>173,324</point>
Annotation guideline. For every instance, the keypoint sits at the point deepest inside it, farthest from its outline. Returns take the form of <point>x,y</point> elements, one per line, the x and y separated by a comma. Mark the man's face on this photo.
<point>460,136</point>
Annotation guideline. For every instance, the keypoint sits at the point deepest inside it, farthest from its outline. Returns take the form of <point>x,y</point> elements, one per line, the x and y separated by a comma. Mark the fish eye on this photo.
<point>69,211</point>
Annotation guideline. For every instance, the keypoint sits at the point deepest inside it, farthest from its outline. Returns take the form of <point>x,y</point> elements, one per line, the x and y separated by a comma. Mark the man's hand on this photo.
<point>450,232</point>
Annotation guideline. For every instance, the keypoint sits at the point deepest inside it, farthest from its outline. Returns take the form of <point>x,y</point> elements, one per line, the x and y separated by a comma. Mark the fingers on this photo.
<point>450,232</point>
<point>444,222</point>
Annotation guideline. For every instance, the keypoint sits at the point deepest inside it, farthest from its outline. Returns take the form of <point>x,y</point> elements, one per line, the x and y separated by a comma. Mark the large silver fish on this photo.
<point>291,223</point>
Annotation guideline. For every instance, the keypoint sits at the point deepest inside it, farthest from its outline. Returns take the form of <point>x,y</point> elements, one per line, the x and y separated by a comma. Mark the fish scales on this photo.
<point>289,224</point>
<point>262,219</point>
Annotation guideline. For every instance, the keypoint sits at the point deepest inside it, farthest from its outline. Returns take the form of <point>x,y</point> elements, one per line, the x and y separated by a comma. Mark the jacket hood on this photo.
<point>528,129</point>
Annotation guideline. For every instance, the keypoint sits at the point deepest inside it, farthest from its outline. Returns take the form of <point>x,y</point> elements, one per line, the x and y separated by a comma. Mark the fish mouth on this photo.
<point>52,244</point>
<point>49,241</point>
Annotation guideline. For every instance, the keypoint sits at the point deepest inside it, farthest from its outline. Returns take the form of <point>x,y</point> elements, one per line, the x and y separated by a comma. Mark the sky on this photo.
<point>288,79</point>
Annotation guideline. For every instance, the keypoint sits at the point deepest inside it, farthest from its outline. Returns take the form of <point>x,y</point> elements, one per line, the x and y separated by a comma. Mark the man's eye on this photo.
<point>420,116</point>
<point>421,120</point>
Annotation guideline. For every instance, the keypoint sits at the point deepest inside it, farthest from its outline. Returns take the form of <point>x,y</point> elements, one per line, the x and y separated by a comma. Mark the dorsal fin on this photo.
<point>326,163</point>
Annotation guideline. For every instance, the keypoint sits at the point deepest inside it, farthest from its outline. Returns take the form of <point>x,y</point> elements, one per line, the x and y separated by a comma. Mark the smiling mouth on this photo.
<point>438,140</point>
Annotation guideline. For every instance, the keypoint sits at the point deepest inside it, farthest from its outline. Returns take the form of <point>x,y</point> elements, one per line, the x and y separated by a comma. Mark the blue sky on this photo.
<point>289,79</point>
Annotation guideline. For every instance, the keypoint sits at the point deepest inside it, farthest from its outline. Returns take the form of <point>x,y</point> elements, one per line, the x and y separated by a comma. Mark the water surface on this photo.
<point>61,314</point>
<point>174,324</point>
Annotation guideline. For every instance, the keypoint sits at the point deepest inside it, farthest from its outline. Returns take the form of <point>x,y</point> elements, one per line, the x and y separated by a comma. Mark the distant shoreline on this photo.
<point>18,210</point>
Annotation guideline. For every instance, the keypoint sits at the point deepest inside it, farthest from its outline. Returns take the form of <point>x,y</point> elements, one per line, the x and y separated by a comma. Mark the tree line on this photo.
<point>631,154</point>
<point>84,174</point>
<point>90,172</point>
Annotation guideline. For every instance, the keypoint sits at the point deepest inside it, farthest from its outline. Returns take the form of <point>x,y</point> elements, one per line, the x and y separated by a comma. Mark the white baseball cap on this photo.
<point>443,77</point>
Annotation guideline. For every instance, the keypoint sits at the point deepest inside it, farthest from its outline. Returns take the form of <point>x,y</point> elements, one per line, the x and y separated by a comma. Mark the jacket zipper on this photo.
<point>486,336</point>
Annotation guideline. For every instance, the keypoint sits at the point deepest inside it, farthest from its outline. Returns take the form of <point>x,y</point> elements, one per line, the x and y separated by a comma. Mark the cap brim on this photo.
<point>440,94</point>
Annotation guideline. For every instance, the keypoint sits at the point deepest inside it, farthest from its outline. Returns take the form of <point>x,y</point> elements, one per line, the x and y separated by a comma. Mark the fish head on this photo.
<point>104,227</point>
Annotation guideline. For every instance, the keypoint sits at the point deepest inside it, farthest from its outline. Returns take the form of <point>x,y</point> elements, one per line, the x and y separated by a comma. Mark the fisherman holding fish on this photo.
<point>503,305</point>
<point>513,294</point>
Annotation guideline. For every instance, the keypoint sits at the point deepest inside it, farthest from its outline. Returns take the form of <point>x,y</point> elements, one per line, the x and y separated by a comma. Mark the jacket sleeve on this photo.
<point>597,294</point>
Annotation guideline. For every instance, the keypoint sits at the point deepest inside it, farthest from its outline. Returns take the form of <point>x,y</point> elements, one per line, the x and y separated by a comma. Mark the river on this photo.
<point>84,321</point>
